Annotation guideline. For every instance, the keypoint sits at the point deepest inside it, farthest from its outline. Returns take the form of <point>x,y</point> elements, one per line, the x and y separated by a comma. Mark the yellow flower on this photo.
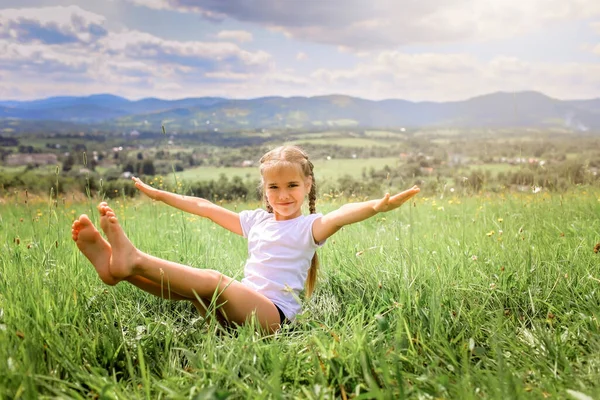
<point>490,233</point>
<point>500,220</point>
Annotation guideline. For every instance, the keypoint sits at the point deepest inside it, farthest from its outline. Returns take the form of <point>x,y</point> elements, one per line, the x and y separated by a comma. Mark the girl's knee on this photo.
<point>218,279</point>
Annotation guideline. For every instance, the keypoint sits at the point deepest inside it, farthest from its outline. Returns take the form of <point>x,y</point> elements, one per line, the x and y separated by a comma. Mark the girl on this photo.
<point>281,245</point>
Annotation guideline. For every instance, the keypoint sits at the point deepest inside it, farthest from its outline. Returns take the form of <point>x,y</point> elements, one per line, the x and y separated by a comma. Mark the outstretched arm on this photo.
<point>355,212</point>
<point>194,205</point>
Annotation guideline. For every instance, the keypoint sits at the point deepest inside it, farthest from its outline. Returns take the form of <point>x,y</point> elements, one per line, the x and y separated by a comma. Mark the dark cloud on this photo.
<point>283,13</point>
<point>376,24</point>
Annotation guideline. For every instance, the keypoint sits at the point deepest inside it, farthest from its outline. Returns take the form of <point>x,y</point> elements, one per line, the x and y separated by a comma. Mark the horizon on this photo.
<point>289,97</point>
<point>374,50</point>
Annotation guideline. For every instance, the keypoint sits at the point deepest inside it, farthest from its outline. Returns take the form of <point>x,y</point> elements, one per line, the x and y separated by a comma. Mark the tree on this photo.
<point>148,167</point>
<point>68,163</point>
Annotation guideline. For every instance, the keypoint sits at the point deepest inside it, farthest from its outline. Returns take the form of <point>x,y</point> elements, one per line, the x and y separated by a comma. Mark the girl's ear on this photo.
<point>308,183</point>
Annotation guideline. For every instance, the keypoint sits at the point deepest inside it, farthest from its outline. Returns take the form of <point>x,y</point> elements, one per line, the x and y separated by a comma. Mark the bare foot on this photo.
<point>124,253</point>
<point>94,247</point>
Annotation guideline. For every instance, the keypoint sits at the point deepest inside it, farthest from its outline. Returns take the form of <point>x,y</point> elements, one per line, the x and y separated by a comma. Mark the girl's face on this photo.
<point>285,189</point>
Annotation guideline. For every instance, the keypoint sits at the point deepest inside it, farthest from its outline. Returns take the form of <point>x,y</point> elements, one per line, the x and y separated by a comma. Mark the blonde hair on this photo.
<point>295,156</point>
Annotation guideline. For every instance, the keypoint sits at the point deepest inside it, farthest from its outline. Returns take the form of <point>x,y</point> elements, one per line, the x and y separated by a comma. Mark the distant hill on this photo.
<point>523,109</point>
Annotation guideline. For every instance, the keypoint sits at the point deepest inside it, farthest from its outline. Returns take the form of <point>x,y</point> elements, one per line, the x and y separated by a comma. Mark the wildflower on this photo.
<point>492,286</point>
<point>490,233</point>
<point>536,189</point>
<point>474,257</point>
<point>499,231</point>
<point>500,220</point>
<point>597,247</point>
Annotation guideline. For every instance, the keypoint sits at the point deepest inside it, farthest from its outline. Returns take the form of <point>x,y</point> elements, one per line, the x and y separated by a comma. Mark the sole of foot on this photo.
<point>94,247</point>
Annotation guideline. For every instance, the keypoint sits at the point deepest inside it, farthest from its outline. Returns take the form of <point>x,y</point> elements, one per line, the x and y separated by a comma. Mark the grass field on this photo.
<point>351,141</point>
<point>463,298</point>
<point>327,169</point>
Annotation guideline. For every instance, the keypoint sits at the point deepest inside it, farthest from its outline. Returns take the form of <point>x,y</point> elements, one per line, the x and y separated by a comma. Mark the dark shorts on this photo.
<point>282,318</point>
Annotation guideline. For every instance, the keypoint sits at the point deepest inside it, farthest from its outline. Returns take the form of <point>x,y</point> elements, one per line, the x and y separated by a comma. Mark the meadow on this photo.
<point>466,297</point>
<point>330,170</point>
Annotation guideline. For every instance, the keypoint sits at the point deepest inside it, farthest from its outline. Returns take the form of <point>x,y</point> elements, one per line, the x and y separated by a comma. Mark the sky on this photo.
<point>417,50</point>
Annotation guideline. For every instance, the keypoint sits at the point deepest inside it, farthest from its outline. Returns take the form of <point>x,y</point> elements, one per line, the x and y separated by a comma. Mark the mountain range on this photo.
<point>496,110</point>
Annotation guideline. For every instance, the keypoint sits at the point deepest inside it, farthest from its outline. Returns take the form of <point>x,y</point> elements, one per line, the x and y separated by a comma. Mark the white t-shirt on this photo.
<point>279,256</point>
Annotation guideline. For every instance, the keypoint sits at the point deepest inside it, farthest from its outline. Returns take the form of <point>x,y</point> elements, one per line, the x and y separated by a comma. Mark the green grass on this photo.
<point>346,141</point>
<point>466,298</point>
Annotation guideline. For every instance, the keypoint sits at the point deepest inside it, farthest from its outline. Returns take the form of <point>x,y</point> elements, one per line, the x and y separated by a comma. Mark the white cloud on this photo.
<point>201,55</point>
<point>224,75</point>
<point>447,77</point>
<point>301,56</point>
<point>51,25</point>
<point>239,36</point>
<point>381,24</point>
<point>127,61</point>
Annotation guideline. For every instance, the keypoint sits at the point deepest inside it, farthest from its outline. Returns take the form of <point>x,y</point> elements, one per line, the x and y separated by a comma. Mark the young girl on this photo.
<point>281,245</point>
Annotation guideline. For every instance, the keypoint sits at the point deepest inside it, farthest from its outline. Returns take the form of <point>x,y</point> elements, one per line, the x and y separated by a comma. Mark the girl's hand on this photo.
<point>389,203</point>
<point>146,189</point>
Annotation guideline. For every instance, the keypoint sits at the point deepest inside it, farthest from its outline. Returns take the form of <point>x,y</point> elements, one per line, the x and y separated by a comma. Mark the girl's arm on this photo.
<point>350,213</point>
<point>194,205</point>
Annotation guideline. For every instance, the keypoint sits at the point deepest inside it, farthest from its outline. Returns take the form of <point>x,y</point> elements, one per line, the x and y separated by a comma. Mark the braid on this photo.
<point>312,195</point>
<point>311,279</point>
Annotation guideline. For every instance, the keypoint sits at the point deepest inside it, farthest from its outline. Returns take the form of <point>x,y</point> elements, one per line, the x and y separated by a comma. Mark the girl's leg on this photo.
<point>98,251</point>
<point>237,301</point>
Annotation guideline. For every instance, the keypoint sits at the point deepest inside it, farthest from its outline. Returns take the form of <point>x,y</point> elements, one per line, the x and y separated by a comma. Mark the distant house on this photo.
<point>35,159</point>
